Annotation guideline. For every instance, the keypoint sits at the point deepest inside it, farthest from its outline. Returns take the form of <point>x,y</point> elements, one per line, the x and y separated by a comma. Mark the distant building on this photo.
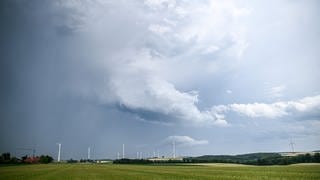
<point>103,161</point>
<point>32,160</point>
<point>165,159</point>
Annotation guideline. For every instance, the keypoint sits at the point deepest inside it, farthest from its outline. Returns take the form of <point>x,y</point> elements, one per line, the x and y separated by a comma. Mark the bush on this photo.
<point>45,159</point>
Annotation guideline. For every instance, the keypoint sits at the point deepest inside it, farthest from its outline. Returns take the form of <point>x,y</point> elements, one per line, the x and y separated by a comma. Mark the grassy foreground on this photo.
<point>111,171</point>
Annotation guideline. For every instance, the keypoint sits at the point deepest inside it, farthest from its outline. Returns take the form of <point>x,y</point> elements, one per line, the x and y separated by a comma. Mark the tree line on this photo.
<point>272,159</point>
<point>6,158</point>
<point>249,159</point>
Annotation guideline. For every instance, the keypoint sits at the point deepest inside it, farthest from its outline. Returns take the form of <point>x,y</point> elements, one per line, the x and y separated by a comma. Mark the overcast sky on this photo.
<point>216,77</point>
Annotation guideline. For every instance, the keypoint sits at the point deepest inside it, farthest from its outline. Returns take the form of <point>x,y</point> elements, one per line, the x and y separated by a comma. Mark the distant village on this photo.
<point>6,158</point>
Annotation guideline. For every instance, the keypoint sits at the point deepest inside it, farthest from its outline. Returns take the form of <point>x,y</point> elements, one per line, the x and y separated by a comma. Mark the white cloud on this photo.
<point>210,49</point>
<point>276,91</point>
<point>184,141</point>
<point>159,29</point>
<point>229,91</point>
<point>259,110</point>
<point>157,4</point>
<point>302,106</point>
<point>198,26</point>
<point>137,86</point>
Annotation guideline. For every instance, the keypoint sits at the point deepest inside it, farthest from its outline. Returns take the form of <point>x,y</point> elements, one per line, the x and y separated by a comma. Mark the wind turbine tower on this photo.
<point>122,151</point>
<point>292,145</point>
<point>59,151</point>
<point>174,149</point>
<point>89,153</point>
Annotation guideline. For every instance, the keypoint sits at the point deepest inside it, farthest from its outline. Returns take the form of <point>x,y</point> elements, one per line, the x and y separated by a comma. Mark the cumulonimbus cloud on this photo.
<point>140,64</point>
<point>142,76</point>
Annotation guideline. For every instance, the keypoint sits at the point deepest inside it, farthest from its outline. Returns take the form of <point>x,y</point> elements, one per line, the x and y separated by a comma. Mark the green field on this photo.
<point>204,171</point>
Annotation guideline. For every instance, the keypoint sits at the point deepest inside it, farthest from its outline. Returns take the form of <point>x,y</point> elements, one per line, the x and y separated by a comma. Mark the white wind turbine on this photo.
<point>123,151</point>
<point>89,151</point>
<point>174,149</point>
<point>59,151</point>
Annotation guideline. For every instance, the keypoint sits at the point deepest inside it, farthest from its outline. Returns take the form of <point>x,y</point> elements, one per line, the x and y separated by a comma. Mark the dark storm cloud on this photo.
<point>147,116</point>
<point>34,111</point>
<point>64,30</point>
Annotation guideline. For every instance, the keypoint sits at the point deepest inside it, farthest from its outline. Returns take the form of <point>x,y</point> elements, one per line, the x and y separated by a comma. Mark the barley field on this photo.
<point>195,171</point>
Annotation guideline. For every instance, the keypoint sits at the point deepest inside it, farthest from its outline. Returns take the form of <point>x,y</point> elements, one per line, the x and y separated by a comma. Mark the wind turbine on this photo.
<point>122,151</point>
<point>59,151</point>
<point>174,149</point>
<point>28,149</point>
<point>292,145</point>
<point>89,153</point>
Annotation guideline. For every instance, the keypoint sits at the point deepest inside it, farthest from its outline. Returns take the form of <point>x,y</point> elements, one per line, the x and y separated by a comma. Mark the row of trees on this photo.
<point>251,159</point>
<point>81,161</point>
<point>270,160</point>
<point>6,158</point>
<point>132,161</point>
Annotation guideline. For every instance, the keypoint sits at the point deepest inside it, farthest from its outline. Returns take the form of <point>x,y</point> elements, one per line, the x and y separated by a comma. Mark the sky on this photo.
<point>215,77</point>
